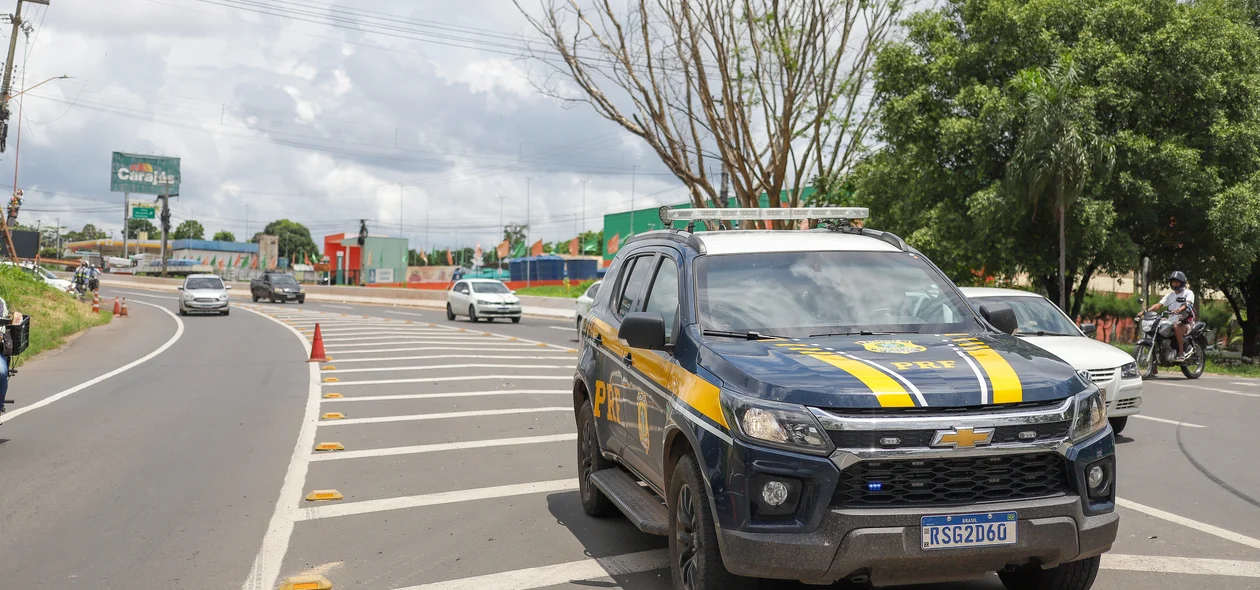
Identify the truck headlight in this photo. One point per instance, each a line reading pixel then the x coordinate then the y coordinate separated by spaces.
pixel 1091 414
pixel 774 424
pixel 1129 371
pixel 188 296
pixel 223 297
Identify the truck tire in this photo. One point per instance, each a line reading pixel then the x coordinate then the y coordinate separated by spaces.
pixel 254 296
pixel 590 460
pixel 1074 575
pixel 695 562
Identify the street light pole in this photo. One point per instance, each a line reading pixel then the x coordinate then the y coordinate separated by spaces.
pixel 528 191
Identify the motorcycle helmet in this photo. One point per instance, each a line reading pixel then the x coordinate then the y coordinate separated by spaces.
pixel 1177 277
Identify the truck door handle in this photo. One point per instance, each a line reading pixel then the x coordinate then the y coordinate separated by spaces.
pixel 628 359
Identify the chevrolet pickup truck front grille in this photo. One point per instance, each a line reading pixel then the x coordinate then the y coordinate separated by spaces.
pixel 907 439
pixel 950 481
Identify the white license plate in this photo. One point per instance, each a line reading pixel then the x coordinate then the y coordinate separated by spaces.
pixel 955 531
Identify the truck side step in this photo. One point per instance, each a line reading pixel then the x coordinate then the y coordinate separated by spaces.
pixel 641 507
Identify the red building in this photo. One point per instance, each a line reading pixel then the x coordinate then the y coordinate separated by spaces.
pixel 343 259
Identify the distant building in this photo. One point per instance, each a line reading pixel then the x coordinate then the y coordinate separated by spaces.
pixel 379 261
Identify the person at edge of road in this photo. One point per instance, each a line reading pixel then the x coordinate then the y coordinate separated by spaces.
pixel 94 278
pixel 81 276
pixel 4 347
pixel 1184 309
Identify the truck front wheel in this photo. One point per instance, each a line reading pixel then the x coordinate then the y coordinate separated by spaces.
pixel 695 561
pixel 1074 575
pixel 590 460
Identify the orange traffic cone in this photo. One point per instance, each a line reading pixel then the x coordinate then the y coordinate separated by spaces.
pixel 96 302
pixel 117 308
pixel 317 348
pixel 124 307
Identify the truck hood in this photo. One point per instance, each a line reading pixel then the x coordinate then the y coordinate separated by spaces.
pixel 892 371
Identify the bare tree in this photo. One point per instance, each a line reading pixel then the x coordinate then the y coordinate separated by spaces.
pixel 772 90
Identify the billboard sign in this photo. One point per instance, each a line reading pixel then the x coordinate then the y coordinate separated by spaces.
pixel 150 175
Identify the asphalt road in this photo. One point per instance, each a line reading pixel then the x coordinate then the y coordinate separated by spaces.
pixel 458 463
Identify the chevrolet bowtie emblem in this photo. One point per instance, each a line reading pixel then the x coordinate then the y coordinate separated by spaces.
pixel 963 438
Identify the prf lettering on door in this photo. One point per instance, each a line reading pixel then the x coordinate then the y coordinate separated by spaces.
pixel 609 397
pixel 925 365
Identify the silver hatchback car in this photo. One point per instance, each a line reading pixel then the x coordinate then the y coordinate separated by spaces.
pixel 203 294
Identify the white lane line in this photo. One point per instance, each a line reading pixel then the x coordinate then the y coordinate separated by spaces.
pixel 368 506
pixel 516 348
pixel 555 575
pixel 425 341
pixel 368 340
pixel 458 356
pixel 266 568
pixel 179 331
pixel 1194 524
pixel 1167 421
pixel 1251 384
pixel 1213 389
pixel 439 379
pixel 418 315
pixel 440 416
pixel 565 328
pixel 446 367
pixel 1181 565
pixel 410 396
pixel 335 306
pixel 455 446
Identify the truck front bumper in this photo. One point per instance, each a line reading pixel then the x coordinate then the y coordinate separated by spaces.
pixel 884 544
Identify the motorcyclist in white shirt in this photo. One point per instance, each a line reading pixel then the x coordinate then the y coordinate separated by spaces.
pixel 1181 303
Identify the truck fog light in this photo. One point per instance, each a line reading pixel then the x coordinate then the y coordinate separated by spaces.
pixel 1097 476
pixel 775 493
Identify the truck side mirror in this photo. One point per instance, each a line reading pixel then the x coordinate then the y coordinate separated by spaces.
pixel 1001 316
pixel 643 330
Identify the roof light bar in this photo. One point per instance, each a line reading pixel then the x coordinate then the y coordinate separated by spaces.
pixel 671 215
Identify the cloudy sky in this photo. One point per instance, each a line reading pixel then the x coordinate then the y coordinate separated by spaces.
pixel 315 115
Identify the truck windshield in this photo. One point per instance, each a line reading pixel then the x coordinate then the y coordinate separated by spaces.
pixel 803 294
pixel 203 283
pixel 1036 316
pixel 489 288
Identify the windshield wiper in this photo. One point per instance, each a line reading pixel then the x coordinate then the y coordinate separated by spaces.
pixel 749 335
pixel 862 333
pixel 1045 333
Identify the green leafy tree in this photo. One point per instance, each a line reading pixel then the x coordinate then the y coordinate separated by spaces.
pixel 224 236
pixel 190 229
pixel 134 226
pixel 514 233
pixel 1059 149
pixel 294 240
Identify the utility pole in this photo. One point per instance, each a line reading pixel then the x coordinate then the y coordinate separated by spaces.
pixel 502 227
pixel 126 214
pixel 529 254
pixel 166 223
pixel 6 88
pixel 400 200
pixel 583 228
pixel 58 220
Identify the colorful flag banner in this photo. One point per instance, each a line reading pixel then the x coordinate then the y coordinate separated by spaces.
pixel 503 248
pixel 536 249
pixel 573 247
pixel 614 244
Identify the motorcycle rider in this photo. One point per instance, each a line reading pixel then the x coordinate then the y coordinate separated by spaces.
pixel 81 277
pixel 1183 310
pixel 4 358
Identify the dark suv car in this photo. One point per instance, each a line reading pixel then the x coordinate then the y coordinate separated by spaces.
pixel 824 405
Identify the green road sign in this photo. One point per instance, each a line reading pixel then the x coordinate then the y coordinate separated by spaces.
pixel 143 213
pixel 150 175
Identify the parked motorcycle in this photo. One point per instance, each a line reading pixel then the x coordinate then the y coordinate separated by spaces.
pixel 1157 346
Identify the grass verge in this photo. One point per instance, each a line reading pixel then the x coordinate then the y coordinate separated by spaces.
pixel 574 291
pixel 54 315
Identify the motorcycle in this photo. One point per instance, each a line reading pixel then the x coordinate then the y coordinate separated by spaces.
pixel 1157 346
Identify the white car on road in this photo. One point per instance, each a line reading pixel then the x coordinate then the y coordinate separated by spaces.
pixel 1042 324
pixel 203 294
pixel 482 298
pixel 585 301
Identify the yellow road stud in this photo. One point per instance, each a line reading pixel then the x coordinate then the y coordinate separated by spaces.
pixel 329 446
pixel 432 325
pixel 571 350
pixel 512 339
pixel 331 380
pixel 333 416
pixel 410 322
pixel 307 582
pixel 332 396
pixel 542 345
pixel 329 368
pixel 322 495
pixel 462 330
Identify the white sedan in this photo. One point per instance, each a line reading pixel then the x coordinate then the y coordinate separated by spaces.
pixel 1042 324
pixel 482 298
pixel 49 278
pixel 585 301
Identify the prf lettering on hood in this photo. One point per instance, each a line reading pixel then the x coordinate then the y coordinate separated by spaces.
pixel 925 365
